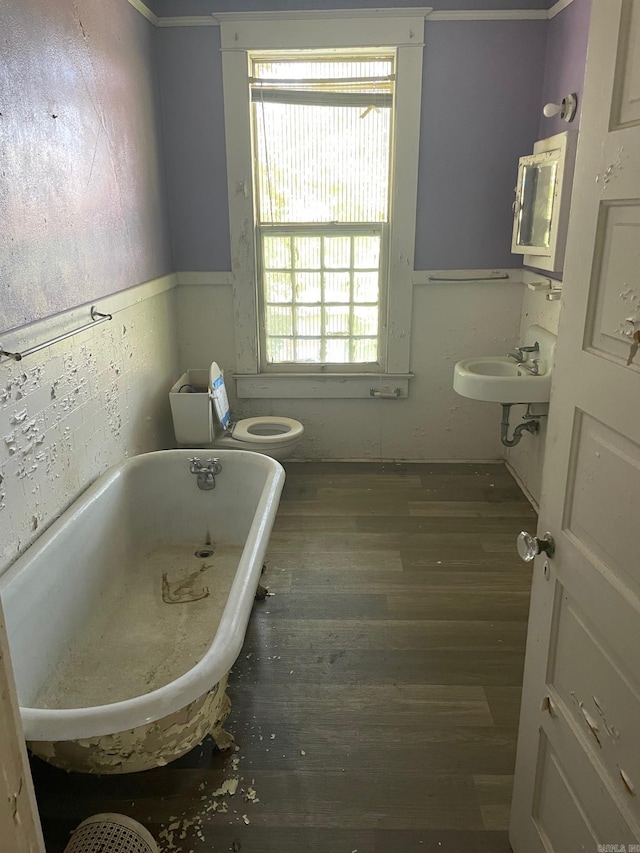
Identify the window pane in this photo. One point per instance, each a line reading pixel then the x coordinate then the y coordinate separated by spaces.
pixel 365 287
pixel 337 287
pixel 279 320
pixel 365 350
pixel 322 163
pixel 365 321
pixel 306 253
pixel 366 252
pixel 336 321
pixel 277 287
pixel 308 350
pixel 338 350
pixel 308 321
pixel 279 350
pixel 337 252
pixel 308 287
pixel 276 253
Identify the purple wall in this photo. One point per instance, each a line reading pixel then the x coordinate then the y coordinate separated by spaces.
pixel 193 110
pixel 480 102
pixel 168 8
pixel 82 196
pixel 565 62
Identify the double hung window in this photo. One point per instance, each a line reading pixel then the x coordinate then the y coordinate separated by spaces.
pixel 322 139
pixel 322 124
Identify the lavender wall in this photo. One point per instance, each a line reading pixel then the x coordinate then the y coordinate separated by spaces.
pixel 565 62
pixel 480 102
pixel 167 8
pixel 82 196
pixel 191 81
pixel 481 97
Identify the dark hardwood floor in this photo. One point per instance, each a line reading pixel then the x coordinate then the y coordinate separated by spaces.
pixel 375 702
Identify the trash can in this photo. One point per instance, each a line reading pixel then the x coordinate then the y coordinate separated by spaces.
pixel 111 833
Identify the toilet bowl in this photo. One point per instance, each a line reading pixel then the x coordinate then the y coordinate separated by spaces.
pixel 201 418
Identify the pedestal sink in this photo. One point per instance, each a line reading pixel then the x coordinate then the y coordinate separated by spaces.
pixel 499 379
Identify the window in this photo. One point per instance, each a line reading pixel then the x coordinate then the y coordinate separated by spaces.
pixel 322 125
pixel 322 142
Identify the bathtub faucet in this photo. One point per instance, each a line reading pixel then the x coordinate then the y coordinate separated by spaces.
pixel 205 472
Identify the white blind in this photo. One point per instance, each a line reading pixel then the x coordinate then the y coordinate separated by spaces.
pixel 322 139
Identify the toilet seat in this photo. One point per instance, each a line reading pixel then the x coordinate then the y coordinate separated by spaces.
pixel 267 430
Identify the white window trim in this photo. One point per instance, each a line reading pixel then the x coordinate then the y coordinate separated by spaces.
pixel 402 29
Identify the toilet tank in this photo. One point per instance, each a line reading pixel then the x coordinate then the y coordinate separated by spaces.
pixel 191 410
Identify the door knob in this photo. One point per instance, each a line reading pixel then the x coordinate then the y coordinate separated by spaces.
pixel 530 546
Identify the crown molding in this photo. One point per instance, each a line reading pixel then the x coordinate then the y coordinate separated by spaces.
pixel 189 21
pixel 491 15
pixel 558 7
pixel 217 18
pixel 319 14
pixel 139 6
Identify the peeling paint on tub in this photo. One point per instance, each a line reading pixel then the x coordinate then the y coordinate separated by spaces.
pixel 151 745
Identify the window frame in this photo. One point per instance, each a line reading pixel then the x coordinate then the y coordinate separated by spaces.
pixel 363 29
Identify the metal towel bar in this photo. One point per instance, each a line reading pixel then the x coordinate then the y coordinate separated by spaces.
pixel 96 318
pixel 500 277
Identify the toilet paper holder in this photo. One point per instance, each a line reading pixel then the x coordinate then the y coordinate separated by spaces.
pixel 385 393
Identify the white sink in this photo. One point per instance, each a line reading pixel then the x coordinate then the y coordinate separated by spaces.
pixel 499 379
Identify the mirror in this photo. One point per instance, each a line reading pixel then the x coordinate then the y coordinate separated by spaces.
pixel 536 208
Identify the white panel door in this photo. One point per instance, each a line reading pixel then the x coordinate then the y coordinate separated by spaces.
pixel 577 782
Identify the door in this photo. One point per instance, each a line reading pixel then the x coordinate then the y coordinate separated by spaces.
pixel 577 781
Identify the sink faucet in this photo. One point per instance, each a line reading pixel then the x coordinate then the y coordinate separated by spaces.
pixel 532 367
pixel 205 473
pixel 519 352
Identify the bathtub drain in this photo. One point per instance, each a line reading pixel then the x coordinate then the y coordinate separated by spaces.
pixel 204 552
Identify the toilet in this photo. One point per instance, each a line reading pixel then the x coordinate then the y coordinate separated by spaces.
pixel 201 418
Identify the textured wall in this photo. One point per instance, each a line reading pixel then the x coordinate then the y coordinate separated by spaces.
pixel 82 197
pixel 74 409
pixel 83 212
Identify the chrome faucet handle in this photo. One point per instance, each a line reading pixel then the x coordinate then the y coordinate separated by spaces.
pixel 516 355
pixel 214 465
pixel 195 459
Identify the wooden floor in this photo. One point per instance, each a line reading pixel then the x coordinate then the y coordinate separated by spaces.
pixel 375 702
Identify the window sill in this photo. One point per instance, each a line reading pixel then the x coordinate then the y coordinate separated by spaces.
pixel 323 385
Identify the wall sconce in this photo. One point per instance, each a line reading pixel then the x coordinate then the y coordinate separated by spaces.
pixel 566 109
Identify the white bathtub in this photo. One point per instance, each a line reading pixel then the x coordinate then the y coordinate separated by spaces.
pixel 121 637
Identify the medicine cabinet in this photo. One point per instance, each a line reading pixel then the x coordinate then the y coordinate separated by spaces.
pixel 541 206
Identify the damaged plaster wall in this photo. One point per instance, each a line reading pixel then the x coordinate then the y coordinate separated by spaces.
pixel 564 73
pixel 84 213
pixel 74 409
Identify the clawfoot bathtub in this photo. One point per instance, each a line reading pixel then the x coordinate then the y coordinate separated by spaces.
pixel 126 615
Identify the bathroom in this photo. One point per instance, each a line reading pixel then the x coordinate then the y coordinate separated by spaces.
pixel 116 196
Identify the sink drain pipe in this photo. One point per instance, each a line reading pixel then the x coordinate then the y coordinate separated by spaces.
pixel 531 423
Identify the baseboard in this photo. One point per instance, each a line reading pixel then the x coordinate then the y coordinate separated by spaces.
pixel 525 491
